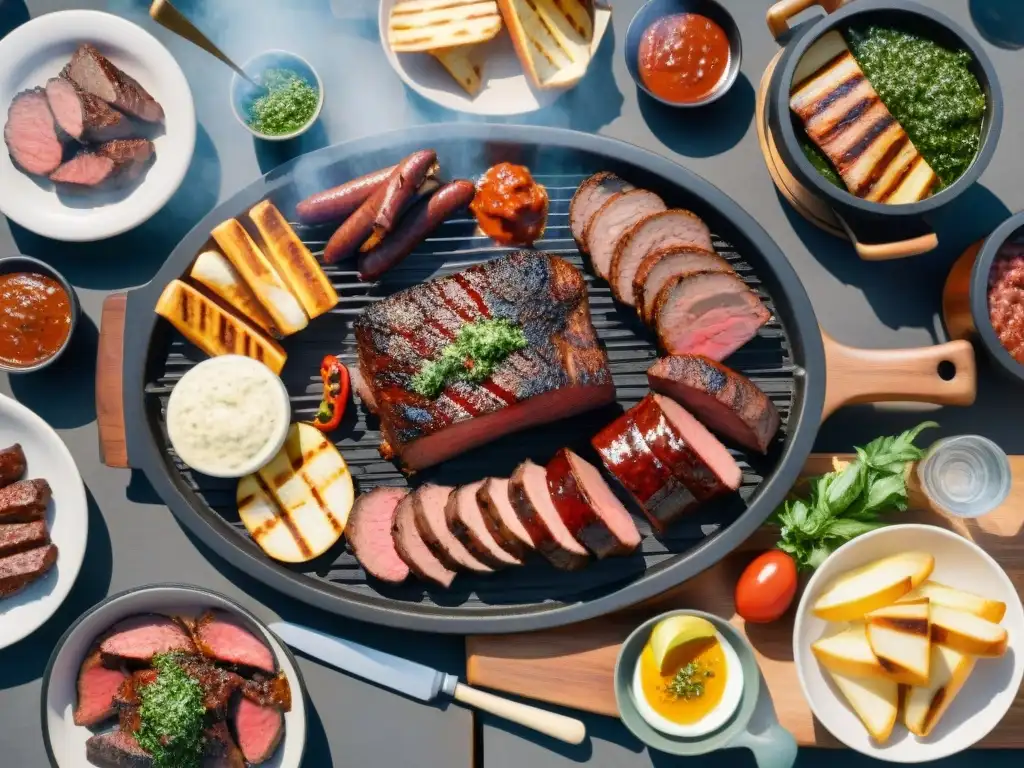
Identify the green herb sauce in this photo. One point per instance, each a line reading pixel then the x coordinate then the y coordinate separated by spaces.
pixel 290 103
pixel 172 715
pixel 472 357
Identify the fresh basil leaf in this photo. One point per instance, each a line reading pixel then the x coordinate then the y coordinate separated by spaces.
pixel 845 488
pixel 799 512
pixel 851 529
pixel 818 555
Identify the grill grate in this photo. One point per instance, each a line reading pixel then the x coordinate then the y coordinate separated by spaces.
pixel 630 346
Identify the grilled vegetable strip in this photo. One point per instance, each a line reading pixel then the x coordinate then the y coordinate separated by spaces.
pixel 336 388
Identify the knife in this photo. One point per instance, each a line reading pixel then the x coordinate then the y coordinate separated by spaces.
pixel 420 681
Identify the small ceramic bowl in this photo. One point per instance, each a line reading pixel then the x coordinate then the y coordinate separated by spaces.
pixel 657 9
pixel 65 741
pixel 242 92
pixel 28 264
pixel 753 725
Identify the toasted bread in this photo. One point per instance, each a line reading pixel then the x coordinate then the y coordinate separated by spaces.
pixel 215 273
pixel 875 701
pixel 213 329
pixel 465 65
pixel 293 261
pixel 900 637
pixel 257 271
pixel 924 706
pixel 422 26
pixel 552 38
pixel 940 594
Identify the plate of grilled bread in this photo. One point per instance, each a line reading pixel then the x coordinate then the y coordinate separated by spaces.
pixel 492 57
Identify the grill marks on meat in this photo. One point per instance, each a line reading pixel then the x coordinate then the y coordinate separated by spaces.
pixel 531 499
pixel 138 639
pixel 98 686
pixel 83 116
pixel 12 464
pixel 31 133
pixel 220 637
pixel 18 537
pixel 413 549
pixel 430 503
pixel 591 195
pixel 114 162
pixel 475 530
pixel 369 534
pixel 94 73
pixel 24 501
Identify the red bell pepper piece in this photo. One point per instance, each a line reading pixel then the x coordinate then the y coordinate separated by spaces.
pixel 335 398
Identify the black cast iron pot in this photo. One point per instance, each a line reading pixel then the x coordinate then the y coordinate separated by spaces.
pixel 879 231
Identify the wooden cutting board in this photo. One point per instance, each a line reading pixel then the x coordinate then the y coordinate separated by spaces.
pixel 573 665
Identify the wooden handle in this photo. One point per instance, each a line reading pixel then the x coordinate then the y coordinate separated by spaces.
pixel 779 14
pixel 873 375
pixel 109 373
pixel 169 17
pixel 901 249
pixel 560 727
pixel 956 295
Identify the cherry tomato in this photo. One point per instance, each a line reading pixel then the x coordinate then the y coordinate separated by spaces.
pixel 766 587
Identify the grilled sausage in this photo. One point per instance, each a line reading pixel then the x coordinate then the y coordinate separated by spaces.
pixel 424 220
pixel 401 187
pixel 423 193
pixel 12 464
pixel 338 202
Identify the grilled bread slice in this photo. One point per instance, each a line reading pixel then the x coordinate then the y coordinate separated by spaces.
pixel 465 64
pixel 422 26
pixel 262 278
pixel 215 273
pixel 849 653
pixel 213 329
pixel 967 633
pixel 940 594
pixel 923 706
pixel 293 261
pixel 900 637
pixel 552 38
pixel 873 586
pixel 297 506
pixel 875 701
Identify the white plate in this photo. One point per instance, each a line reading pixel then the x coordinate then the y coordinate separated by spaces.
pixel 37 51
pixel 507 89
pixel 65 741
pixel 989 691
pixel 67 517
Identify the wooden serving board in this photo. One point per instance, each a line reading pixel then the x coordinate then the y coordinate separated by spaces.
pixel 573 666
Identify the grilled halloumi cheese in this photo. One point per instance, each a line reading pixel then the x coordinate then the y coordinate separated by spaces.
pixel 844 116
pixel 293 261
pixel 297 506
pixel 552 38
pixel 215 273
pixel 465 65
pixel 420 26
pixel 257 271
pixel 215 330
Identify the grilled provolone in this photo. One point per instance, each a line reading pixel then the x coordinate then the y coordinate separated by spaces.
pixel 551 37
pixel 419 26
pixel 465 64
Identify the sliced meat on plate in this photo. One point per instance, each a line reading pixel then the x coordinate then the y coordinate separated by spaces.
pixel 91 71
pixel 413 550
pixel 474 531
pixel 661 265
pixel 528 491
pixel 140 638
pixel 31 134
pixel 116 749
pixel 222 638
pixel 707 313
pixel 726 401
pixel 609 224
pixel 82 116
pixel 588 507
pixel 659 230
pixel 12 465
pixel 20 570
pixel 259 730
pixel 431 502
pixel 97 687
pixel 24 501
pixel 369 533
pixel 220 750
pixel 17 537
pixel 501 518
pixel 121 161
pixel 591 195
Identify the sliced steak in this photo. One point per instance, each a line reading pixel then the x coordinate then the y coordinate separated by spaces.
pixel 528 492
pixel 131 156
pixel 31 134
pixel 24 501
pixel 651 233
pixel 17 537
pixel 413 550
pixel 217 683
pixel 707 313
pixel 501 518
pixel 259 730
pixel 430 502
pixel 612 221
pixel 20 570
pixel 220 750
pixel 138 639
pixel 221 637
pixel 275 692
pixel 121 162
pixel 369 533
pixel 94 73
pixel 588 507
pixel 116 749
pixel 467 523
pixel 82 116
pixel 128 701
pixel 86 170
pixel 726 401
pixel 97 687
pixel 591 195
pixel 12 464
pixel 661 265
pixel 362 389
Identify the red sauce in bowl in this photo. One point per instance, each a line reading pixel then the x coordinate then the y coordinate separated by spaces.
pixel 1006 299
pixel 683 57
pixel 35 318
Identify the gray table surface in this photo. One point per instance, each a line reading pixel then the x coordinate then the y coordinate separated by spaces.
pixel 134 540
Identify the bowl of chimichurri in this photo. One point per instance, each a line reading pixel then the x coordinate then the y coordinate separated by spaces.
pixel 288 100
pixel 894 113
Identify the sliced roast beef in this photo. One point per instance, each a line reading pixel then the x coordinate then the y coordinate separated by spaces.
pixel 726 401
pixel 659 230
pixel 217 684
pixel 467 523
pixel 362 389
pixel 413 550
pixel 369 533
pixel 17 537
pixel 220 750
pixel 20 570
pixel 131 156
pixel 591 195
pixel 707 313
pixel 82 116
pixel 138 639
pixel 528 492
pixel 121 161
pixel 116 749
pixel 97 687
pixel 612 221
pixel 430 502
pixel 94 73
pixel 12 464
pixel 588 507
pixel 501 518
pixel 221 637
pixel 24 501
pixel 661 265
pixel 259 730
pixel 31 134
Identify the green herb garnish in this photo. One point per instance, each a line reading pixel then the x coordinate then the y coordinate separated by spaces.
pixel 472 357
pixel 290 103
pixel 688 682
pixel 849 501
pixel 172 715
